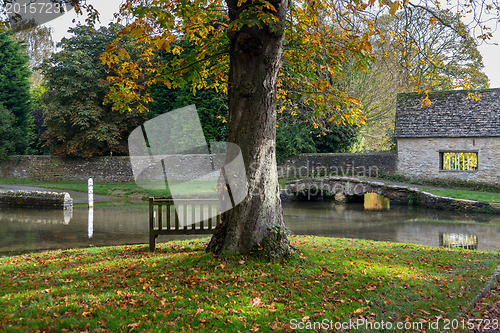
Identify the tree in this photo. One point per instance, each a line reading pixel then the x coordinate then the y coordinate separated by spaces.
pixel 246 38
pixel 37 119
pixel 250 39
pixel 451 59
pixel 78 122
pixel 297 133
pixel 7 133
pixel 211 107
pixel 39 46
pixel 15 88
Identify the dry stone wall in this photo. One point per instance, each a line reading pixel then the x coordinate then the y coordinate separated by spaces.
pixel 53 168
pixel 118 168
pixel 360 165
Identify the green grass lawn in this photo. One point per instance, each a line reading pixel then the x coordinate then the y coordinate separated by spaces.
pixel 181 288
pixel 465 194
pixel 121 189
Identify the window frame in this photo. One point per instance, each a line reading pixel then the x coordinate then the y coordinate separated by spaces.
pixel 441 159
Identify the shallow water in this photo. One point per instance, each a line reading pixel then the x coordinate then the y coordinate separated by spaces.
pixel 23 230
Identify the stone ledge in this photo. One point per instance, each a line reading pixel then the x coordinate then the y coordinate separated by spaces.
pixel 36 199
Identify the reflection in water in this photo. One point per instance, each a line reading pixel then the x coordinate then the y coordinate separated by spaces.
pixel 400 224
pixel 459 240
pixel 41 216
pixel 32 230
pixel 91 222
pixel 375 201
pixel 68 214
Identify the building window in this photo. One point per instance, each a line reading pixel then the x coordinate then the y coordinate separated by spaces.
pixel 458 161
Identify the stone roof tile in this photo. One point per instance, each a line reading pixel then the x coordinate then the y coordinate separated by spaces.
pixel 451 114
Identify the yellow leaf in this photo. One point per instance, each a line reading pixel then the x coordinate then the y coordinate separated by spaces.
pixel 123 54
pixel 177 50
pixel 394 7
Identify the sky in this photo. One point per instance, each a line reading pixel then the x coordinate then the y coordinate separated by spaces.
pixel 106 9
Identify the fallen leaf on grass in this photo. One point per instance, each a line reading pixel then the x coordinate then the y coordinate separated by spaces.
pixel 424 312
pixel 133 325
pixel 256 302
pixel 436 309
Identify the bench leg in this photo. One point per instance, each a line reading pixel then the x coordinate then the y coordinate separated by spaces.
pixel 152 242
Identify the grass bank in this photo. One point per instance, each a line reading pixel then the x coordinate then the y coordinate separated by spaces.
pixel 181 288
pixel 465 194
pixel 120 189
pixel 104 188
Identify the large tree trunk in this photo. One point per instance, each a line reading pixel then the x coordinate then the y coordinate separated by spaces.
pixel 256 224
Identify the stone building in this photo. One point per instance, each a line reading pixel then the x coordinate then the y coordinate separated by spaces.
pixel 457 137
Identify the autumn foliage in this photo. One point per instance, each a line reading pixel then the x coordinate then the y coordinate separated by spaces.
pixel 321 37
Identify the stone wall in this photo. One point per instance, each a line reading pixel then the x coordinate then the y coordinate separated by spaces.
pixel 52 168
pixel 418 158
pixel 360 165
pixel 118 169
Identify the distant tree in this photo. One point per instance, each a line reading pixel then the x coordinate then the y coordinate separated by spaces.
pixel 39 46
pixel 36 124
pixel 293 138
pixel 8 133
pixel 211 107
pixel 296 134
pixel 15 89
pixel 77 120
pixel 413 52
pixel 431 54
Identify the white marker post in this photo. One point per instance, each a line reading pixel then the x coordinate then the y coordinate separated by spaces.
pixel 91 209
pixel 91 222
pixel 91 193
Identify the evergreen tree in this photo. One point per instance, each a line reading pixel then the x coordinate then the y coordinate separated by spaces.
pixel 14 92
pixel 7 133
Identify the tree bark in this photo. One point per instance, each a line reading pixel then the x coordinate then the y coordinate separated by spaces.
pixel 255 226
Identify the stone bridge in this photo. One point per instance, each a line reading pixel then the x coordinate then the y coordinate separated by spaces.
pixel 350 186
pixel 399 194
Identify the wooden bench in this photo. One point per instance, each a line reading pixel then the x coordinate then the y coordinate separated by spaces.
pixel 164 217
